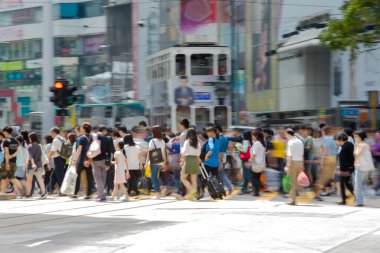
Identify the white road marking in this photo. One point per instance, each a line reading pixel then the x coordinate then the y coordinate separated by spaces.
pixel 376 233
pixel 37 243
pixel 142 222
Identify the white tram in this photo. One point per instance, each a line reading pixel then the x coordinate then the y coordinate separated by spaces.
pixel 189 81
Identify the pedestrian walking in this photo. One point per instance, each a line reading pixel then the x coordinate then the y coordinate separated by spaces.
pixel 9 165
pixel 190 160
pixel 59 171
pixel 346 165
pixel 363 165
pixel 36 169
pixel 294 164
pixel 121 172
pixel 133 154
pixel 157 158
pixel 245 156
pixel 223 159
pixel 80 161
pixel 258 154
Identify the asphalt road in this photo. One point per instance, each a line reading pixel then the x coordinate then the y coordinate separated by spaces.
pixel 238 224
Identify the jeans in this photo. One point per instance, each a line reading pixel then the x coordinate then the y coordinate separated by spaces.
pixel 59 165
pixel 52 181
pixel 100 174
pixel 155 170
pixel 359 186
pixel 223 176
pixel 247 176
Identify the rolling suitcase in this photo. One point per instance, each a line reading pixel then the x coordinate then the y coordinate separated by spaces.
pixel 214 186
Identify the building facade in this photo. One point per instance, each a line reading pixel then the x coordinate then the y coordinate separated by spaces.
pixel 79 32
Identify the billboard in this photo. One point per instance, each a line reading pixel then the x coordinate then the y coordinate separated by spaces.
pixel 199 20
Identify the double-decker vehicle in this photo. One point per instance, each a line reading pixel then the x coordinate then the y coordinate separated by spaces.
pixel 189 81
pixel 112 114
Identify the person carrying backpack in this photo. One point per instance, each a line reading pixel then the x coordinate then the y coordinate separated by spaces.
pixel 80 160
pixel 59 171
pixel 100 151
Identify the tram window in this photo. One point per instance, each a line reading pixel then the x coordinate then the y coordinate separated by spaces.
pixel 108 112
pixel 222 64
pixel 86 112
pixel 180 64
pixel 202 64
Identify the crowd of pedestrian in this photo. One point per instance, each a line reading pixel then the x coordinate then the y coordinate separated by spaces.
pixel 322 159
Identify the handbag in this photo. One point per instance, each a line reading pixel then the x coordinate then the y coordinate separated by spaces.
pixel 245 156
pixel 155 155
pixel 302 179
pixel 257 168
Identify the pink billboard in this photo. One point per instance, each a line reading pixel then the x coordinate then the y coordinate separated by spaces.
pixel 196 14
pixel 92 44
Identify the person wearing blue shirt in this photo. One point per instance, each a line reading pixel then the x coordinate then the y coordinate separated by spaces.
pixel 213 147
pixel 223 159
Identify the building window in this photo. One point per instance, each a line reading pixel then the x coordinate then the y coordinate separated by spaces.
pixel 202 64
pixel 68 46
pixel 180 64
pixel 222 64
pixel 20 17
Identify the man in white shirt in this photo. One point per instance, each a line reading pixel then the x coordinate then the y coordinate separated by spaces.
pixel 295 161
pixel 58 173
pixel 138 138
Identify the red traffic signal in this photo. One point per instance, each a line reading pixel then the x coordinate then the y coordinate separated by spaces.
pixel 58 85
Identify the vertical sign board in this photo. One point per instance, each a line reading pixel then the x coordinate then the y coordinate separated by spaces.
pixel 373 97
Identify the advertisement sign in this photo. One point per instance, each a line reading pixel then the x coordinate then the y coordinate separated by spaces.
pixel 350 112
pixel 11 66
pixel 189 92
pixel 92 44
pixel 199 20
pixel 11 33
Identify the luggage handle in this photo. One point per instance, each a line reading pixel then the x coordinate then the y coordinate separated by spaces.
pixel 204 171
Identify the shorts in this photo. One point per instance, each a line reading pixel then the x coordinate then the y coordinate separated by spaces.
pixel 4 174
pixel 31 171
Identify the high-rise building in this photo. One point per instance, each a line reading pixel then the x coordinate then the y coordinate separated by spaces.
pixel 79 36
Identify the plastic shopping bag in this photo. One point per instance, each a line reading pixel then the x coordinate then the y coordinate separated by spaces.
pixel 286 184
pixel 69 182
pixel 147 171
pixel 303 180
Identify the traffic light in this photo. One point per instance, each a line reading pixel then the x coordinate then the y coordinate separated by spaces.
pixel 58 91
pixel 63 95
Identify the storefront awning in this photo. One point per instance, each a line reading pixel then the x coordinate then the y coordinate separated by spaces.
pixel 307 38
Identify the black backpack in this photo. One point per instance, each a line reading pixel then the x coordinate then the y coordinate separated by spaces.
pixel 204 151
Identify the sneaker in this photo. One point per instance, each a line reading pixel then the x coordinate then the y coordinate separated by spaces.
pixel 126 199
pixel 87 197
pixel 43 196
pixel 292 203
pixel 102 199
pixel 318 198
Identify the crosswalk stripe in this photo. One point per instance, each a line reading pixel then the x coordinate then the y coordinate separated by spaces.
pixel 268 196
pixel 306 197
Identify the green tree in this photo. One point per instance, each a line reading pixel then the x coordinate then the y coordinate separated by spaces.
pixel 360 25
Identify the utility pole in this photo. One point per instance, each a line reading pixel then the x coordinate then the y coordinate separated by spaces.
pixel 48 115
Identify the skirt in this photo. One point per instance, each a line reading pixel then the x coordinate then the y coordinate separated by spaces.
pixel 191 166
pixel 120 177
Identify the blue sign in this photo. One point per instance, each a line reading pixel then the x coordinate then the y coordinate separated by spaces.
pixel 202 96
pixel 349 112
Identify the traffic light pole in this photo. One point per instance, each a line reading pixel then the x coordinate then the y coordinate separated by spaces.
pixel 48 117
